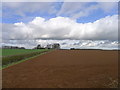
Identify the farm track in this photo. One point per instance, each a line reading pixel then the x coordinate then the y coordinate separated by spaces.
pixel 64 69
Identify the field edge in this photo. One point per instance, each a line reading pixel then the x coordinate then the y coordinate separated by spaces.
pixel 23 60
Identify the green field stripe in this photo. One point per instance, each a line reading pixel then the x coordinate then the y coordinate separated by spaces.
pixel 9 52
pixel 25 53
pixel 14 63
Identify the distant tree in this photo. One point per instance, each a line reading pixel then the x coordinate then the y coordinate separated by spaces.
pixel 72 48
pixel 56 46
pixel 38 46
pixel 49 46
pixel 22 47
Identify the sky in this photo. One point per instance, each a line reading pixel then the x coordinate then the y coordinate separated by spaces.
pixel 72 24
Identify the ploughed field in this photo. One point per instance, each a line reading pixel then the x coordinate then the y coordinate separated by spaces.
pixel 65 69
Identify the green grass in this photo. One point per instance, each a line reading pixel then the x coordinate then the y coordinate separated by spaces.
pixel 9 52
pixel 0 52
pixel 13 56
pixel 14 63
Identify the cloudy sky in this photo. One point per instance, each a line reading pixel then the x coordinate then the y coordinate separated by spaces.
pixel 72 24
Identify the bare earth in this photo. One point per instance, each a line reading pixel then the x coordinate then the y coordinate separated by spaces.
pixel 64 69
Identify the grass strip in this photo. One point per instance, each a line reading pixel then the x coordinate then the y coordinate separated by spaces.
pixel 11 52
pixel 14 63
pixel 11 60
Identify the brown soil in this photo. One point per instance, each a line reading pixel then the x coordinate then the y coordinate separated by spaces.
pixel 64 69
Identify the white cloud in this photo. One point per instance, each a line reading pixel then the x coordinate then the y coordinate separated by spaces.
pixel 108 6
pixel 72 9
pixel 85 12
pixel 81 9
pixel 60 0
pixel 63 28
pixel 65 44
pixel 69 8
pixel 22 8
pixel 90 0
pixel 29 0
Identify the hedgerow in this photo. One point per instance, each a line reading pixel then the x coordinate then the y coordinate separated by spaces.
pixel 14 58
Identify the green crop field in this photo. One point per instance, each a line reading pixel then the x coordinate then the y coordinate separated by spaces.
pixel 12 56
pixel 0 52
pixel 9 52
